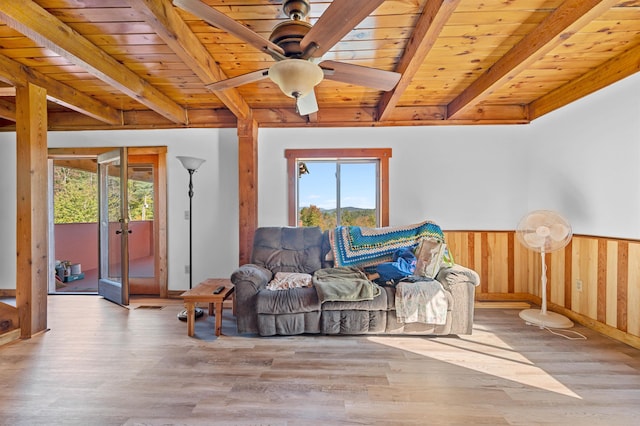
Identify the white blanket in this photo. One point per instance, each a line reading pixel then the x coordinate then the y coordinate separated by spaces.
pixel 421 301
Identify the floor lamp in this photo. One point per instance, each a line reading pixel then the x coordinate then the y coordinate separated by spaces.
pixel 191 164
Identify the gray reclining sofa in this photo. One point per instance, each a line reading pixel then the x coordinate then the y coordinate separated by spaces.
pixel 300 310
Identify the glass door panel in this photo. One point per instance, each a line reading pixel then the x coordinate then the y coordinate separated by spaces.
pixel 142 209
pixel 317 197
pixel 358 189
pixel 113 282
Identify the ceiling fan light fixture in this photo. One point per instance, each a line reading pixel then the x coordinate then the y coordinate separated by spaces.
pixel 296 77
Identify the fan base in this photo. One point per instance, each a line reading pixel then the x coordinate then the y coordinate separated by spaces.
pixel 548 319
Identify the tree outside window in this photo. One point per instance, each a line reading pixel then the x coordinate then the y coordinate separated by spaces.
pixel 76 196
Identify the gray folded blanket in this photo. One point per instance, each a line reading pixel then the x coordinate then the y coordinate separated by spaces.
pixel 459 274
pixel 343 284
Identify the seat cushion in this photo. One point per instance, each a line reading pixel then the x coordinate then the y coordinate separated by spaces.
pixel 291 301
pixel 289 324
pixel 353 322
pixel 379 303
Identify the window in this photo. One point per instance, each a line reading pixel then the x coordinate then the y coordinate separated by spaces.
pixel 338 186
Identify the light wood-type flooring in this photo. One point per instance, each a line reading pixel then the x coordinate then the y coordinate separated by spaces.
pixel 101 364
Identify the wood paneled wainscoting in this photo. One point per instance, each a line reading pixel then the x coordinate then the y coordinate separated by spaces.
pixel 608 269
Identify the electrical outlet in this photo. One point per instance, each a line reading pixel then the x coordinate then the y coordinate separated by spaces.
pixel 186 215
pixel 187 269
pixel 578 285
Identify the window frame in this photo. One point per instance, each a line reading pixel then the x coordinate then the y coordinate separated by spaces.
pixel 382 155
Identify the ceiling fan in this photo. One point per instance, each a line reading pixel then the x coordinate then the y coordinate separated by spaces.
pixel 298 47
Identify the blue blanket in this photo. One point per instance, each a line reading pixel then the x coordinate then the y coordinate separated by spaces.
pixel 364 247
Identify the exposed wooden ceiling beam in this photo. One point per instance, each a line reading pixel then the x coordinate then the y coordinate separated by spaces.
pixel 434 15
pixel 611 71
pixel 561 24
pixel 168 24
pixel 402 116
pixel 7 110
pixel 13 73
pixel 8 90
pixel 198 118
pixel 287 117
pixel 45 29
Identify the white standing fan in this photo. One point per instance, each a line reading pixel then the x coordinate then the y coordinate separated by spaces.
pixel 544 231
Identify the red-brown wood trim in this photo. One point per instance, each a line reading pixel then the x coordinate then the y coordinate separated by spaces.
pixel 623 283
pixel 568 266
pixel 601 308
pixel 549 261
pixel 511 281
pixel 247 187
pixel 384 187
pixel 291 189
pixel 32 242
pixel 484 267
pixel 380 154
pixel 471 250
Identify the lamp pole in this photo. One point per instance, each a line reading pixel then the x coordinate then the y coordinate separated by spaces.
pixel 191 164
pixel 191 171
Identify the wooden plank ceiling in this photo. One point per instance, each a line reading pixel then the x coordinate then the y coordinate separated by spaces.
pixel 110 64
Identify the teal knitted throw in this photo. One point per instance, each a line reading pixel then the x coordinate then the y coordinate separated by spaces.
pixel 362 247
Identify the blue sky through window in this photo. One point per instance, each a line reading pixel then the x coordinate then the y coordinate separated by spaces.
pixel 358 185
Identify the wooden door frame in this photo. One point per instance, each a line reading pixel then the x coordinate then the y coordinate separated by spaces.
pixel 160 198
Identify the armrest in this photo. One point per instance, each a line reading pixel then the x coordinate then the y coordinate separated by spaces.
pixel 458 274
pixel 248 281
pixel 251 275
pixel 461 282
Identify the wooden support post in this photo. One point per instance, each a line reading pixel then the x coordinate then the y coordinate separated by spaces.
pixel 32 237
pixel 248 186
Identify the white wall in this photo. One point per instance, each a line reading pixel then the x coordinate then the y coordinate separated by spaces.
pixel 8 210
pixel 459 177
pixel 582 160
pixel 585 161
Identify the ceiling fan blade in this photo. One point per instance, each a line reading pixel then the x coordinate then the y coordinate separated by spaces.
pixel 308 104
pixel 238 80
pixel 359 75
pixel 220 20
pixel 340 17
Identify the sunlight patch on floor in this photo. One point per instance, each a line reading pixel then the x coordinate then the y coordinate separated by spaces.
pixel 485 354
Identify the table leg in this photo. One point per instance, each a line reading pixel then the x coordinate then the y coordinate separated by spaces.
pixel 219 307
pixel 191 318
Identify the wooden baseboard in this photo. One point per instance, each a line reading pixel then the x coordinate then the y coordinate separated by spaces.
pixel 9 336
pixel 174 294
pixel 5 292
pixel 483 300
pixel 502 305
pixel 502 297
pixel 607 330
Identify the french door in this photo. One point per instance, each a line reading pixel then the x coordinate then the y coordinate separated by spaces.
pixel 75 237
pixel 113 281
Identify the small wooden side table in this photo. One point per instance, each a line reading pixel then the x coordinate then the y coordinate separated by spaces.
pixel 203 292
